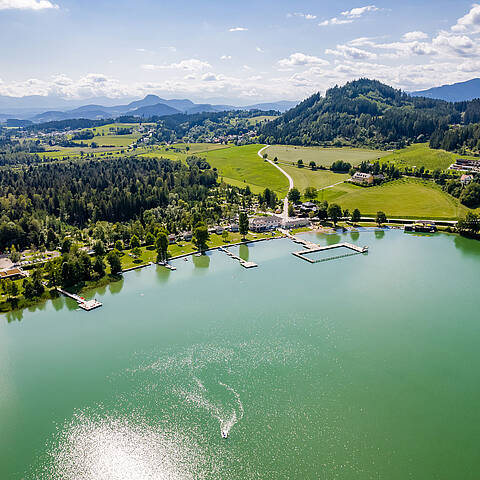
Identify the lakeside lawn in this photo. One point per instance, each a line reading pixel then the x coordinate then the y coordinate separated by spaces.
pixel 405 198
pixel 421 155
pixel 150 255
pixel 322 155
pixel 241 166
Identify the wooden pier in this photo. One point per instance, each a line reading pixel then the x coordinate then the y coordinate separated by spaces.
pixel 242 262
pixel 86 305
pixel 314 248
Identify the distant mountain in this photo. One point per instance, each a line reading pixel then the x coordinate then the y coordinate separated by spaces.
pixel 456 92
pixel 157 110
pixel 28 108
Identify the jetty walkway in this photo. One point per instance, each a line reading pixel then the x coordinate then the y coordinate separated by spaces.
pixel 242 262
pixel 82 303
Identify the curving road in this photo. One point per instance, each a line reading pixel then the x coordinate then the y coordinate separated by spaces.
pixel 290 180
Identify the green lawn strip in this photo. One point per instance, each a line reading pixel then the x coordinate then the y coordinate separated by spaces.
pixel 420 154
pixel 323 156
pixel 243 165
pixel 405 198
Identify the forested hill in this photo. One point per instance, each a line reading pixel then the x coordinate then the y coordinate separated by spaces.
pixel 363 113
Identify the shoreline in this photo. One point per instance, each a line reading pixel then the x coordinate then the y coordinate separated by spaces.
pixel 51 293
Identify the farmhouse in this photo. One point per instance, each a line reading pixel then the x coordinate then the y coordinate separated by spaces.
pixel 466 179
pixel 361 177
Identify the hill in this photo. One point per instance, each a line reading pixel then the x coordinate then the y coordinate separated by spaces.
pixel 456 92
pixel 361 113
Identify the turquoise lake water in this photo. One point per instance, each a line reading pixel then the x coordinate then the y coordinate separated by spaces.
pixel 365 367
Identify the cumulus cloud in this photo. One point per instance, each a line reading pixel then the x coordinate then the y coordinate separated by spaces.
pixel 359 11
pixel 237 29
pixel 470 21
pixel 226 57
pixel 260 50
pixel 349 52
pixel 335 21
pixel 412 36
pixel 27 5
pixel 300 59
pixel 192 64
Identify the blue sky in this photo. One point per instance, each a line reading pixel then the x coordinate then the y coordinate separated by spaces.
pixel 233 51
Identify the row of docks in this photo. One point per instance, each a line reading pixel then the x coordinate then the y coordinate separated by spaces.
pixel 314 248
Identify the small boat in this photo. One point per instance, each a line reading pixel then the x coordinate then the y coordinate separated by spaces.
pixel 185 259
pixel 224 434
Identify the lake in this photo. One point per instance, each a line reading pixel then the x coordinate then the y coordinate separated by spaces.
pixel 365 367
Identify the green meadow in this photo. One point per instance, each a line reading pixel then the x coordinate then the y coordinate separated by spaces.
pixel 322 156
pixel 242 166
pixel 421 155
pixel 405 198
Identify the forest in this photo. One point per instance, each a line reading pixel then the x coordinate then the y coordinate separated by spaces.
pixel 365 113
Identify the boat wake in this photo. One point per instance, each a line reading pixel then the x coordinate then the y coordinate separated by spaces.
pixel 227 416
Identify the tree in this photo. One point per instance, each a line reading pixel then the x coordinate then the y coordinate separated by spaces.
pixel 99 266
pixel 300 163
pixel 294 195
pixel 14 255
pixel 381 218
pixel 119 245
pixel 67 245
pixel 149 239
pixel 243 224
pixel 161 246
pixel 137 252
pixel 134 242
pixel 313 165
pixel 99 248
pixel 356 216
pixel 201 236
pixel 113 258
pixel 310 193
pixel 225 236
pixel 334 212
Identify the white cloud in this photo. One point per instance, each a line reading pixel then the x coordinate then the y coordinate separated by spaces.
pixel 451 44
pixel 349 16
pixel 300 59
pixel 349 52
pixel 412 36
pixel 335 21
pixel 470 21
pixel 191 64
pixel 260 50
pixel 359 11
pixel 226 57
pixel 306 16
pixel 27 5
pixel 237 29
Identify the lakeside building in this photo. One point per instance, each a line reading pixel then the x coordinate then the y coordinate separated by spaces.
pixel 272 222
pixel 360 177
pixel 424 226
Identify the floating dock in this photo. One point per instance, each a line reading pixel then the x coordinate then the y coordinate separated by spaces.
pixel 167 265
pixel 86 305
pixel 314 248
pixel 242 262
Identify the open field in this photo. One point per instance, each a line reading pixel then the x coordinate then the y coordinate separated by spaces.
pixel 322 156
pixel 261 118
pixel 242 166
pixel 305 177
pixel 401 198
pixel 420 154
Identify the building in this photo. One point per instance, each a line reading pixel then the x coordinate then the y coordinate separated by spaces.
pixel 466 179
pixel 187 236
pixel 12 273
pixel 265 224
pixel 234 227
pixel 361 177
pixel 290 223
pixel 171 238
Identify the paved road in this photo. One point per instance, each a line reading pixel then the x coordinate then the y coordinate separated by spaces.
pixel 290 180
